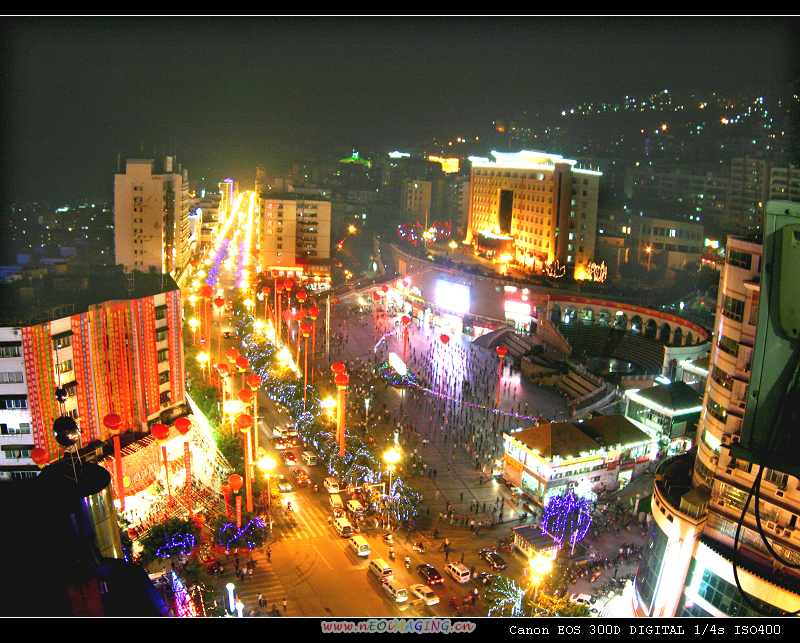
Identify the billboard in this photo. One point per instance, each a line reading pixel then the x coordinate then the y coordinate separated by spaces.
pixel 452 297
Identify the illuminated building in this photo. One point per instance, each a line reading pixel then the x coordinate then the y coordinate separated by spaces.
pixel 668 412
pixel 665 241
pixel 749 187
pixel 296 232
pixel 542 201
pixel 423 199
pixel 110 342
pixel 152 227
pixel 600 453
pixel 698 497
pixel 784 183
pixel 450 165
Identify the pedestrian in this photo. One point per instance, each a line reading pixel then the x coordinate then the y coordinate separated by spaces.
pixel 269 554
pixel 462 558
pixel 262 602
pixel 284 605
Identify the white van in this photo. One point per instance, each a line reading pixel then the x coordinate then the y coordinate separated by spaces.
pixel 380 569
pixel 336 501
pixel 459 573
pixel 360 546
pixel 345 529
pixel 309 458
pixel 331 485
pixel 396 592
pixel 355 507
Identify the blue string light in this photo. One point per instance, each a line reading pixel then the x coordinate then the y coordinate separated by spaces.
pixel 566 518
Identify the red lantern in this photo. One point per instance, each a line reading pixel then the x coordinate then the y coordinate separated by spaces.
pixel 235 481
pixel 288 285
pixel 160 432
pixel 223 369
pixel 501 351
pixel 313 313
pixel 206 291
pixel 306 329
pixel 112 422
pixel 342 379
pixel 385 288
pixel 232 354
pixel 219 302
pixel 302 295
pixel 194 263
pixel 244 421
pixel 376 297
pixel 444 339
pixel 279 286
pixel 183 424
pixel 253 380
pixel 245 396
pixel 40 456
pixel 338 367
pixel 406 320
pixel 265 290
pixel 242 362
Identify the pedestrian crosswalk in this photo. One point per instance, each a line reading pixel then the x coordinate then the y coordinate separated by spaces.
pixel 264 581
pixel 306 522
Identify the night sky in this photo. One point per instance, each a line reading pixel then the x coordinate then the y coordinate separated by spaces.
pixel 226 93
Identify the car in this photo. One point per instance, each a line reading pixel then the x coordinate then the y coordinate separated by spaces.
pixel 458 572
pixel 301 478
pixel 424 593
pixel 494 559
pixel 277 432
pixel 430 574
pixel 394 590
pixel 280 445
pixel 290 459
pixel 290 431
pixel 331 485
pixel 284 485
pixel 484 578
pixel 582 599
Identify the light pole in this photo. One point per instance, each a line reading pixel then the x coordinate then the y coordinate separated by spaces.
pixel 649 251
pixel 267 465
pixel 391 457
pixel 203 359
pixel 539 566
pixel 193 324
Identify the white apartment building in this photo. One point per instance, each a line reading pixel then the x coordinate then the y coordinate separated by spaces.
pixel 152 227
pixel 784 183
pixel 295 231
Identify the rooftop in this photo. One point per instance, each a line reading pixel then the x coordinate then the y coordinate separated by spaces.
pixel 34 300
pixel 527 160
pixel 570 439
pixel 676 398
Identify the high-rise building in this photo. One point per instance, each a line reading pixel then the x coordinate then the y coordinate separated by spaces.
pixel 458 204
pixel 296 232
pixel 417 199
pixel 698 497
pixel 747 196
pixel 85 345
pixel 784 183
pixel 152 230
pixel 542 202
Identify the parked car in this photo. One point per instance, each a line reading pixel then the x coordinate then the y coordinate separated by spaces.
pixel 284 486
pixel 301 478
pixel 494 559
pixel 290 459
pixel 280 445
pixel 331 485
pixel 430 574
pixel 424 593
pixel 458 572
pixel 484 578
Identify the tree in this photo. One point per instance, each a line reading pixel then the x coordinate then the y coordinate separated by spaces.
pixel 175 537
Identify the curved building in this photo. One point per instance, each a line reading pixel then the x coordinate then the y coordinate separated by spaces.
pixel 698 497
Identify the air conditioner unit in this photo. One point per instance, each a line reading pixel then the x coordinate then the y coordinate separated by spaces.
pixel 771 525
pixel 729 471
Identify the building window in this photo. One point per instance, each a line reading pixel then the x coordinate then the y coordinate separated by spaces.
pixel 163 355
pixel 161 312
pixel 10 349
pixel 164 398
pixel 161 334
pixel 163 377
pixel 716 410
pixel 733 308
pixel 64 367
pixel 740 259
pixel 13 402
pixel 722 378
pixel 62 341
pixel 12 377
pixel 727 598
pixel 650 567
pixel 727 345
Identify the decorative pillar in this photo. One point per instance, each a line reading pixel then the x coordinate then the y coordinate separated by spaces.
pixel 235 482
pixel 313 314
pixel 113 422
pixel 183 424
pixel 245 423
pixel 226 493
pixel 342 380
pixel 501 351
pixel 305 328
pixel 254 382
pixel 406 322
pixel 161 433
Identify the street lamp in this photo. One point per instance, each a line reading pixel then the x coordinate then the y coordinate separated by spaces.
pixel 203 359
pixel 267 465
pixel 391 457
pixel 193 324
pixel 649 251
pixel 539 566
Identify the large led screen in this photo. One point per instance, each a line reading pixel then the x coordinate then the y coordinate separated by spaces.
pixel 452 297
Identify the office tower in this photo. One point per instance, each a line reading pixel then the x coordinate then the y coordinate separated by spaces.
pixel 534 208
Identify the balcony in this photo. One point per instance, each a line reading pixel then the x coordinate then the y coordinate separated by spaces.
pixel 674 492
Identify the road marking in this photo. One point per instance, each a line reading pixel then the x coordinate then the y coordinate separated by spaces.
pixel 324 560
